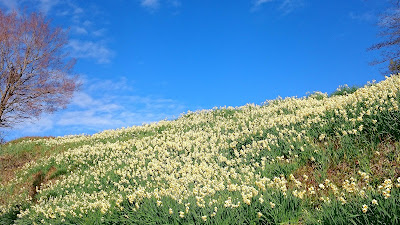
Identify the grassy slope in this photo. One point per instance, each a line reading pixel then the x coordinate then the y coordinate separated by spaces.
pixel 313 160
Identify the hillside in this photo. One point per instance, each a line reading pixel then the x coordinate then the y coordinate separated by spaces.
pixel 313 160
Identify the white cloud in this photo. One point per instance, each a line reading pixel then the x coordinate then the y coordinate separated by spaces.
pixel 95 109
pixel 46 5
pixel 90 119
pixel 289 6
pixel 44 123
pixel 83 100
pixel 258 3
pixel 285 6
pixel 123 84
pixel 90 49
pixel 363 17
pixel 90 112
pixel 151 4
pixel 98 110
pixel 99 32
pixel 154 5
pixel 175 3
pixel 87 23
pixel 80 30
pixel 10 4
pixel 78 10
pixel 94 47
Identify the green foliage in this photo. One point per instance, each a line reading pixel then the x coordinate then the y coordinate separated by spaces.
pixel 386 212
pixel 9 217
pixel 317 95
pixel 394 66
pixel 344 90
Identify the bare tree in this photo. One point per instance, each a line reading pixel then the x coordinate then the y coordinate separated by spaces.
pixel 389 24
pixel 34 69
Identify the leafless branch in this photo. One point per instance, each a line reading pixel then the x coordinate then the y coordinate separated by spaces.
pixel 34 70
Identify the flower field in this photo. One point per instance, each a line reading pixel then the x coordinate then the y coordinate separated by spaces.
pixel 318 159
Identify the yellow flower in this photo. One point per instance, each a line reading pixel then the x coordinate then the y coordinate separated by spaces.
pixel 204 218
pixel 259 214
pixel 374 202
pixel 364 208
pixel 343 200
pixel 272 204
pixel 170 211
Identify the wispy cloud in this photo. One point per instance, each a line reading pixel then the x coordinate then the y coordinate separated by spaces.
pixel 258 3
pixel 175 3
pixel 83 24
pixel 46 5
pixel 289 6
pixel 155 5
pixel 94 46
pixel 100 107
pixel 79 30
pixel 122 84
pixel 150 4
pixel 10 4
pixel 34 127
pixel 363 17
pixel 91 50
pixel 100 32
pixel 285 6
pixel 87 111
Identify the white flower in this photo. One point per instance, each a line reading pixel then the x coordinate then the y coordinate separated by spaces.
pixel 364 208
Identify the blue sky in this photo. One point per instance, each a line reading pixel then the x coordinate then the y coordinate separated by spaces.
pixel 146 60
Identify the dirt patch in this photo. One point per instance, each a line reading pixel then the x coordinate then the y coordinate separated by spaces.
pixel 386 160
pixel 40 179
pixel 310 171
pixel 9 164
pixel 383 162
pixel 340 172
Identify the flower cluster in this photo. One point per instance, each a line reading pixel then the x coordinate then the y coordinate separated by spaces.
pixel 212 156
